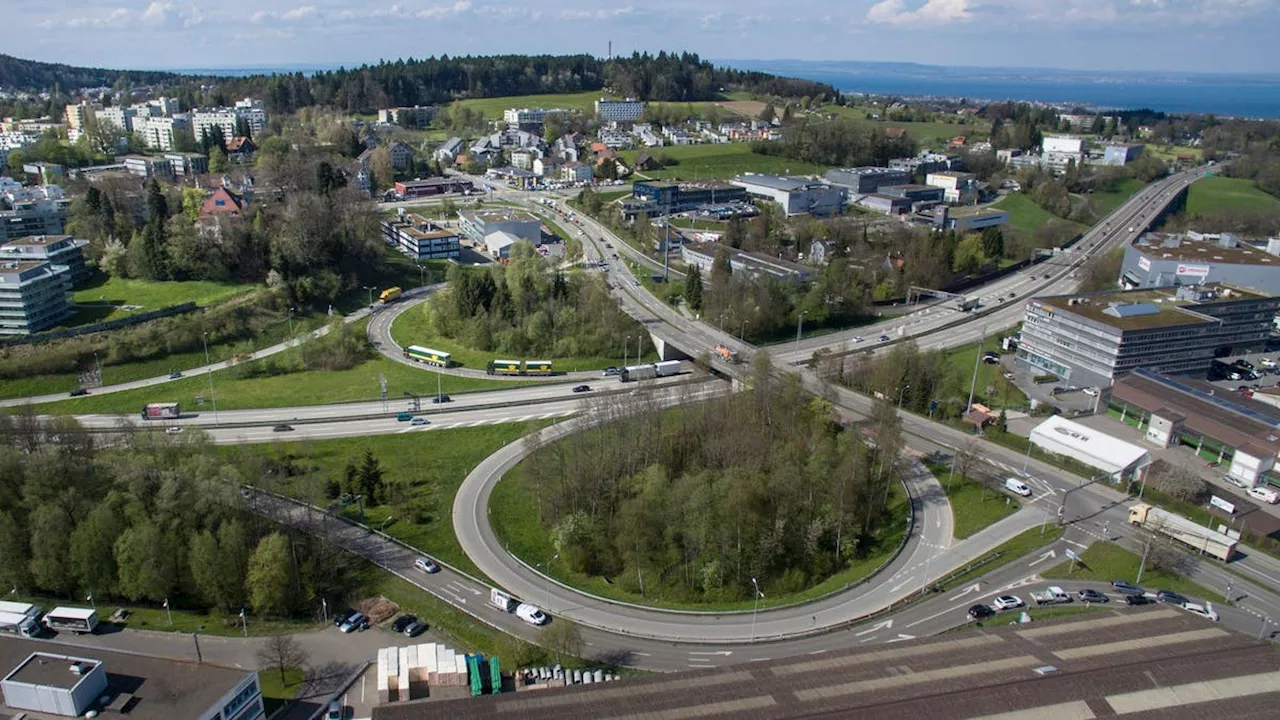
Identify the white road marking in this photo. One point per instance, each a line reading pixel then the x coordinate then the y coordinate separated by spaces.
pixel 900 638
pixel 883 625
pixel 1047 556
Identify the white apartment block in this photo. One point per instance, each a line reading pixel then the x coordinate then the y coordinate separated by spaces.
pixel 252 111
pixel 119 118
pixel 158 132
pixel 623 111
pixel 531 116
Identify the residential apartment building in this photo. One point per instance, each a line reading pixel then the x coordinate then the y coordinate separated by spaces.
pixel 704 254
pixel 479 224
pixel 77 119
pixel 252 112
pixel 145 166
pixel 32 211
pixel 865 180
pixel 63 251
pixel 1192 258
pixel 418 116
pixel 420 238
pixel 526 118
pixel 10 141
pixel 184 164
pixel 117 117
pixel 33 296
pixel 158 132
pixel 927 162
pixel 1091 339
pixel 1059 151
pixel 796 196
pixel 620 111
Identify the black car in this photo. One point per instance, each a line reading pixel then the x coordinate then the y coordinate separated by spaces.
pixel 1170 597
pixel 1137 600
pixel 78 392
pixel 403 622
pixel 978 612
pixel 414 629
pixel 1090 595
pixel 441 399
pixel 1244 364
pixel 582 389
pixel 342 617
pixel 282 428
pixel 884 338
pixel 1127 588
pixel 175 374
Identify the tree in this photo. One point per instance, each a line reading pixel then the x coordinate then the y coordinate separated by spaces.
pixel 92 549
pixel 281 652
pixel 206 571
pixel 693 288
pixel 384 174
pixel 562 638
pixel 370 478
pixel 969 257
pixel 218 162
pixel 141 556
pixel 233 561
pixel 768 114
pixel 51 529
pixel 269 578
pixel 15 553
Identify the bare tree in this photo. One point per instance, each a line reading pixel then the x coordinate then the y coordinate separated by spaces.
pixel 562 638
pixel 281 652
pixel 1176 481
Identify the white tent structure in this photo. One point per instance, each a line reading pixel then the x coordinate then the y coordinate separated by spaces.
pixel 1111 455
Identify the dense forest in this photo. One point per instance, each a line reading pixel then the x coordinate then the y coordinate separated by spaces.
pixel 692 503
pixel 668 77
pixel 525 309
pixel 151 518
pixel 840 143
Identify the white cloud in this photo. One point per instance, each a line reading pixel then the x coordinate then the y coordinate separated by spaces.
pixel 302 12
pixel 440 11
pixel 117 18
pixel 602 14
pixel 932 12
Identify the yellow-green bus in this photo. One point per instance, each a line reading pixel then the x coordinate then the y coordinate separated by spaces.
pixel 537 367
pixel 427 355
pixel 504 367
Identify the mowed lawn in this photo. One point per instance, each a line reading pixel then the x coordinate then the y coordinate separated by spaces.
pixel 1026 216
pixel 109 298
pixel 1105 561
pixel 413 327
pixel 973 505
pixel 493 107
pixel 723 162
pixel 1212 194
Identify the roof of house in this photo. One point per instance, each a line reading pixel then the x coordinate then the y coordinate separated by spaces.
pixel 1157 661
pixel 223 202
pixel 240 143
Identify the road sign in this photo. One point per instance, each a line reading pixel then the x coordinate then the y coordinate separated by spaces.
pixel 199 399
pixel 1072 554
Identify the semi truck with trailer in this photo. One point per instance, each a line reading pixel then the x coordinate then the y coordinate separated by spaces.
pixel 1194 535
pixel 161 411
pixel 72 619
pixel 648 371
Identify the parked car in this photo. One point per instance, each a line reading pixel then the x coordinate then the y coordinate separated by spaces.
pixel 342 616
pixel 78 392
pixel 978 612
pixel 335 710
pixel 1092 596
pixel 1267 363
pixel 440 399
pixel 1265 494
pixel 1233 480
pixel 1204 611
pixel 531 614
pixel 355 623
pixel 419 421
pixel 858 338
pixel 582 388
pixel 1170 597
pixel 403 622
pixel 1127 588
pixel 282 428
pixel 415 629
pixel 1091 391
pixel 1134 600
pixel 426 565
pixel 1008 602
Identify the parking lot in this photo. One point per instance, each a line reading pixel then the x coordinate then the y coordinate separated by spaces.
pixel 1265 372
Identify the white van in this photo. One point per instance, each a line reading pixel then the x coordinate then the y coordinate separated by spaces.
pixel 501 600
pixel 1265 494
pixel 1014 485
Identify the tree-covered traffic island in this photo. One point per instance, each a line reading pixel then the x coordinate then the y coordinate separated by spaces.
pixel 683 507
pixel 528 309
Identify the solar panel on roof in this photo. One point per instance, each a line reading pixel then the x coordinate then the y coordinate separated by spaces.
pixel 1132 310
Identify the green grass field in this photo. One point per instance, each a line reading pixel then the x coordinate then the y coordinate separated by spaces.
pixel 973 505
pixel 156 618
pixel 1019 546
pixel 106 298
pixel 277 692
pixel 515 517
pixel 1105 561
pixel 1220 193
pixel 1026 216
pixel 413 327
pixel 431 467
pixel 1104 202
pixel 314 387
pixel 961 360
pixel 724 161
pixel 927 133
pixel 493 108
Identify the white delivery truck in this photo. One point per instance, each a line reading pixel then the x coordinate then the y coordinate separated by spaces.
pixel 20 618
pixel 72 619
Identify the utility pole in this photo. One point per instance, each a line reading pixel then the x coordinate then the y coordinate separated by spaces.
pixel 799 325
pixel 976 361
pixel 209 370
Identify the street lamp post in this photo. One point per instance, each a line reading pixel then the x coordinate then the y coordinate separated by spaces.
pixel 370 289
pixel 422 275
pixel 799 326
pixel 291 312
pixel 212 395
pixel 546 566
pixel 755 606
pixel 626 345
pixel 901 392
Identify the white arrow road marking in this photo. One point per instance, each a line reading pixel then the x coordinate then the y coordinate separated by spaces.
pixel 882 625
pixel 971 589
pixel 902 584
pixel 1047 556
pixel 725 653
pixel 900 638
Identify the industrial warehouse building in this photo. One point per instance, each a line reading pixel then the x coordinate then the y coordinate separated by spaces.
pixel 866 180
pixel 704 254
pixel 969 219
pixel 480 224
pixel 1240 434
pixel 1115 458
pixel 1169 259
pixel 410 189
pixel 660 198
pixel 48 679
pixel 420 238
pixel 796 196
pixel 1091 339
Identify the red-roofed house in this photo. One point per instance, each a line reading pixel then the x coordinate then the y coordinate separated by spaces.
pixel 241 148
pixel 224 203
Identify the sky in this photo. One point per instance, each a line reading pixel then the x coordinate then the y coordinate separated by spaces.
pixel 1168 35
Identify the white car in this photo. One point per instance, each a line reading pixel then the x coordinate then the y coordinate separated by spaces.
pixel 1265 494
pixel 173 429
pixel 1205 610
pixel 858 338
pixel 1007 602
pixel 1267 363
pixel 1091 391
pixel 531 614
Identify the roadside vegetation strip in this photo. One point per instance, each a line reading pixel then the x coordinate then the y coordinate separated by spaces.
pixel 974 504
pixel 1020 547
pixel 1106 561
pixel 421 476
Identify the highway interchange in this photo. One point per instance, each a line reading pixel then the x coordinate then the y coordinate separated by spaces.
pixel 655 639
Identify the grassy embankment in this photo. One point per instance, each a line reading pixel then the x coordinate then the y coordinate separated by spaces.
pixel 1105 561
pixel 720 162
pixel 974 506
pixel 1213 194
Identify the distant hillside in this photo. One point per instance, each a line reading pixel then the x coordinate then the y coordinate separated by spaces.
pixel 34 76
pixel 666 77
